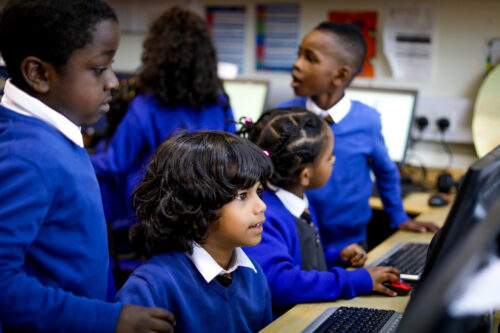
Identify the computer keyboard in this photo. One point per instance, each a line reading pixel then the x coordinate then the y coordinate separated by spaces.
pixel 409 259
pixel 354 319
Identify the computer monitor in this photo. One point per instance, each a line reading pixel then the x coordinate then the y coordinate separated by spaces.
pixel 430 309
pixel 396 108
pixel 468 237
pixel 477 192
pixel 247 97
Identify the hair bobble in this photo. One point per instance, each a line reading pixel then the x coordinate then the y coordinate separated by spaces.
pixel 266 153
pixel 246 124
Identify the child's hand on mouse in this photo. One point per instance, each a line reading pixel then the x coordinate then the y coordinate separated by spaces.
pixel 355 254
pixel 135 319
pixel 380 274
pixel 412 225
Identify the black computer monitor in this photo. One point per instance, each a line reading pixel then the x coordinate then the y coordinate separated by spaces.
pixel 468 237
pixel 430 308
pixel 476 194
pixel 397 109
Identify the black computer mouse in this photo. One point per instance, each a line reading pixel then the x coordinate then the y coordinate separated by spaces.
pixel 438 200
pixel 401 288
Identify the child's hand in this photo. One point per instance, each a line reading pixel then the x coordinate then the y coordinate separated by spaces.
pixel 380 274
pixel 412 225
pixel 137 319
pixel 355 254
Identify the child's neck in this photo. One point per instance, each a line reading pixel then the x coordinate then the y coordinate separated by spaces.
pixel 223 256
pixel 326 101
pixel 298 190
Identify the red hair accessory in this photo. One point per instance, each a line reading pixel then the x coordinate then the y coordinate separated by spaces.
pixel 266 153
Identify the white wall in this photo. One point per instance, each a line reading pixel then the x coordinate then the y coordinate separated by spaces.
pixel 462 30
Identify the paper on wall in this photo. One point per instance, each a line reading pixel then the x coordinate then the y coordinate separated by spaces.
pixel 409 38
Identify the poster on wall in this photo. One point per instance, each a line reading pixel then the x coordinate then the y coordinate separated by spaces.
pixel 277 36
pixel 366 21
pixel 227 27
pixel 409 39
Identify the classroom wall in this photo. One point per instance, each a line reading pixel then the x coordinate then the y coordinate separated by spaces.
pixel 462 31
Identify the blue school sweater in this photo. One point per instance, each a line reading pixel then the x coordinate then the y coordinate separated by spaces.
pixel 280 257
pixel 144 127
pixel 54 250
pixel 342 205
pixel 172 281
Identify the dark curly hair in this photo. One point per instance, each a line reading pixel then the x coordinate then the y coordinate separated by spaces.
pixel 294 137
pixel 48 29
pixel 351 39
pixel 179 63
pixel 190 177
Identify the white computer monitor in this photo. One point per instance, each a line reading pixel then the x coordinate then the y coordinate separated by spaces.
pixel 247 97
pixel 397 109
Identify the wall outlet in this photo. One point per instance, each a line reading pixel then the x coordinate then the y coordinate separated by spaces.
pixel 457 110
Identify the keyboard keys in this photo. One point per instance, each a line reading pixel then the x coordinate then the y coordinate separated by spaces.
pixel 410 259
pixel 354 320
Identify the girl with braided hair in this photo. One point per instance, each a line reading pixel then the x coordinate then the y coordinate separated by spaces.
pixel 300 145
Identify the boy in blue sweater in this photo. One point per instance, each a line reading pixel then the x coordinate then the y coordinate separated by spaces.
pixel 197 205
pixel 54 253
pixel 329 58
pixel 300 144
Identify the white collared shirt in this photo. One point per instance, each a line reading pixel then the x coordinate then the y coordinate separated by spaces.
pixel 337 112
pixel 209 268
pixel 18 101
pixel 293 203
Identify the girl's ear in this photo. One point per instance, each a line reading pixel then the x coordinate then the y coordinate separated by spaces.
pixel 305 176
pixel 341 76
pixel 36 74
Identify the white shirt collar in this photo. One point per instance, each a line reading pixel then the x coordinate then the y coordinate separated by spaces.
pixel 18 101
pixel 209 268
pixel 293 203
pixel 337 112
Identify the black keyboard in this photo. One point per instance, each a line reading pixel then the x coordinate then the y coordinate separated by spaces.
pixel 353 320
pixel 409 259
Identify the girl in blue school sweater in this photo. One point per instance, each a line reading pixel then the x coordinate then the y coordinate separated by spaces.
pixel 179 90
pixel 197 205
pixel 300 145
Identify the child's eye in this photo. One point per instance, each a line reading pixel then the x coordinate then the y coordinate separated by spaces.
pixel 259 192
pixel 100 70
pixel 241 196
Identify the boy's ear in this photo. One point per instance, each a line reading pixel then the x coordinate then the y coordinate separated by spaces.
pixel 36 74
pixel 341 76
pixel 305 176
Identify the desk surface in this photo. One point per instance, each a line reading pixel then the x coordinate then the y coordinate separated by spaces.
pixel 301 315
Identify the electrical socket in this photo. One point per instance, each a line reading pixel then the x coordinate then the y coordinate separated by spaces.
pixel 458 111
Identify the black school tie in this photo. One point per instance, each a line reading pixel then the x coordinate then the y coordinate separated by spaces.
pixel 329 120
pixel 225 279
pixel 306 216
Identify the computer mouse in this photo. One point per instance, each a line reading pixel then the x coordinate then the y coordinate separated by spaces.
pixel 401 288
pixel 438 200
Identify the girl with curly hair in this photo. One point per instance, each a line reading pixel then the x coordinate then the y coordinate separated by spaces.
pixel 178 89
pixel 198 204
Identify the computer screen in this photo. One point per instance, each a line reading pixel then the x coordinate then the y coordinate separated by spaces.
pixel 477 192
pixel 247 97
pixel 468 237
pixel 433 306
pixel 396 108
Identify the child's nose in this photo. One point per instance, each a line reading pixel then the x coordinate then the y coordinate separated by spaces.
pixel 260 207
pixel 111 81
pixel 297 64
